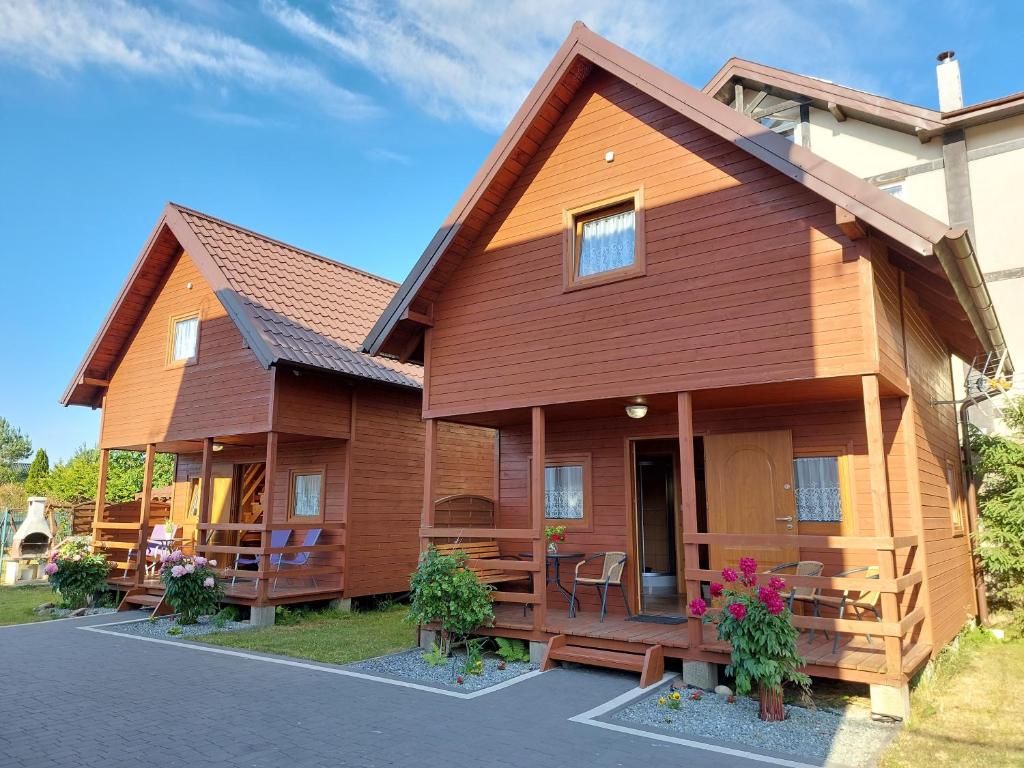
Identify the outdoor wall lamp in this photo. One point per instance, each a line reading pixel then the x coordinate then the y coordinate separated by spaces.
pixel 636 410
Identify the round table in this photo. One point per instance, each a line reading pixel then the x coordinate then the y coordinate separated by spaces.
pixel 553 570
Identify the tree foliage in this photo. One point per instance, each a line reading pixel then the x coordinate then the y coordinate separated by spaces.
pixel 15 447
pixel 75 480
pixel 446 592
pixel 35 483
pixel 1000 540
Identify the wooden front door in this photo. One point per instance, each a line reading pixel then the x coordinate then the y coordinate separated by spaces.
pixel 749 477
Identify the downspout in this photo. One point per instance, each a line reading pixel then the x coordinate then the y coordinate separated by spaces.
pixel 972 511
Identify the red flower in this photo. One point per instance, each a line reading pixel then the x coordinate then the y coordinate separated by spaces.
pixel 738 611
pixel 698 607
pixel 716 589
pixel 777 583
pixel 728 574
pixel 765 594
pixel 695 696
pixel 749 566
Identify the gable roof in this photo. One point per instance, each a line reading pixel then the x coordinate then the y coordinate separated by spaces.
pixel 290 305
pixel 926 242
pixel 869 107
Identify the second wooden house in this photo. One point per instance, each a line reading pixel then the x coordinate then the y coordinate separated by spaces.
pixel 299 459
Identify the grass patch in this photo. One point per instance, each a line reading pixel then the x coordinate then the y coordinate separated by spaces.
pixel 16 603
pixel 968 713
pixel 329 636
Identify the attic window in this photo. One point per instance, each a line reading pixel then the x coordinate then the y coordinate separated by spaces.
pixel 184 341
pixel 604 241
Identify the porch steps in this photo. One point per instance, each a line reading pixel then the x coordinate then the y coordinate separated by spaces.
pixel 650 663
pixel 143 597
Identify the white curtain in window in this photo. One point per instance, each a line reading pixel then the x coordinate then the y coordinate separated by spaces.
pixel 563 492
pixel 608 243
pixel 817 490
pixel 307 496
pixel 186 333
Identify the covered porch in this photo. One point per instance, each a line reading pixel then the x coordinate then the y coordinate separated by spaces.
pixel 861 422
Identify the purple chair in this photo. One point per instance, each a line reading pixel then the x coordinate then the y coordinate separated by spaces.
pixel 299 558
pixel 277 539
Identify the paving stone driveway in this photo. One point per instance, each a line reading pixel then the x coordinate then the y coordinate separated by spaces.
pixel 69 697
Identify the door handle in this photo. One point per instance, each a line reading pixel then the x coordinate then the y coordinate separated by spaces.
pixel 788 519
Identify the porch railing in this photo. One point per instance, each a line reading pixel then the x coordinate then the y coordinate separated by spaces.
pixel 894 627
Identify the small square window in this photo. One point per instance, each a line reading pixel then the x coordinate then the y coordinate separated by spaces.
pixel 184 339
pixel 563 492
pixel 307 499
pixel 604 241
pixel 819 496
pixel 896 190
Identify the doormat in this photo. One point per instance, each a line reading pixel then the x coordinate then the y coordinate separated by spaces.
pixel 659 619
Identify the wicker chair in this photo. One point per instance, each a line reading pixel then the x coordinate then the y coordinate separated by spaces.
pixel 800 594
pixel 859 601
pixel 611 575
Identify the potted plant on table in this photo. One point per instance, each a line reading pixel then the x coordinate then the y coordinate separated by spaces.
pixel 190 585
pixel 555 535
pixel 755 621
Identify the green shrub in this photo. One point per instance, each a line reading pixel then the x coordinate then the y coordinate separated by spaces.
pixel 474 656
pixel 190 586
pixel 434 657
pixel 512 650
pixel 75 573
pixel 446 592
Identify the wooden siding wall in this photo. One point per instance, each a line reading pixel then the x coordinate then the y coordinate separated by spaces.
pixel 748 278
pixel 951 589
pixel 387 484
pixel 888 315
pixel 225 392
pixel 815 427
pixel 308 403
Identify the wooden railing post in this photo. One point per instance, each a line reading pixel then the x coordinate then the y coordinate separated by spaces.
pixel 206 491
pixel 537 434
pixel 101 494
pixel 269 477
pixel 688 504
pixel 144 509
pixel 882 518
pixel 429 466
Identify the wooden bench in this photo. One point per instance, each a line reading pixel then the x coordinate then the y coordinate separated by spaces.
pixel 484 550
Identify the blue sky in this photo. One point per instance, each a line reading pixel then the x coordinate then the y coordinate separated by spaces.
pixel 348 128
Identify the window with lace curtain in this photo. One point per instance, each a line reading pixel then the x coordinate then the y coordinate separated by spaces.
pixel 306 496
pixel 819 497
pixel 183 344
pixel 604 241
pixel 567 490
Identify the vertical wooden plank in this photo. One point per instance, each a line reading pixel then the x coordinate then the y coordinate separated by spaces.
pixel 263 571
pixel 101 489
pixel 688 504
pixel 206 490
pixel 144 509
pixel 537 435
pixel 912 468
pixel 429 473
pixel 882 519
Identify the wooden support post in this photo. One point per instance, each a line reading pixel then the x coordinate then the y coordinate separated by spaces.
pixel 144 509
pixel 883 520
pixel 270 471
pixel 205 490
pixel 429 468
pixel 101 492
pixel 688 508
pixel 539 454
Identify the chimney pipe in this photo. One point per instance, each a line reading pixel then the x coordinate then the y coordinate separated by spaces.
pixel 947 73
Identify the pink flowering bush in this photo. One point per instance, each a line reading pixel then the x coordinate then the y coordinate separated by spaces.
pixel 75 573
pixel 190 585
pixel 755 621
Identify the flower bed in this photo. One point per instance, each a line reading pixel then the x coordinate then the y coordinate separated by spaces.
pixel 166 627
pixel 412 666
pixel 843 736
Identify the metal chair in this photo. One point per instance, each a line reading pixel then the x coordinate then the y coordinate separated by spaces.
pixel 158 546
pixel 858 600
pixel 299 558
pixel 277 539
pixel 611 575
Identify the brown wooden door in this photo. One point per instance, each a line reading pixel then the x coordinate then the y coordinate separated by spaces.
pixel 749 478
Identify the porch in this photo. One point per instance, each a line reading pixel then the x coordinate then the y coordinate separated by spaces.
pixel 873 421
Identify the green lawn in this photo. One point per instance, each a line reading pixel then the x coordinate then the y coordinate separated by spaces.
pixel 970 714
pixel 329 636
pixel 16 603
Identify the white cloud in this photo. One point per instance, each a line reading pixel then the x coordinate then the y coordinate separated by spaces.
pixel 476 59
pixel 380 154
pixel 52 37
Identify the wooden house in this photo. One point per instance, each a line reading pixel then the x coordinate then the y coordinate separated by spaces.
pixel 240 355
pixel 699 341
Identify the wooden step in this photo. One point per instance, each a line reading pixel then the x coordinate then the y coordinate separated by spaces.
pixel 143 599
pixel 650 663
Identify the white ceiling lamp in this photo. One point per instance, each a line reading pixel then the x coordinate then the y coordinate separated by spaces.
pixel 218 446
pixel 636 410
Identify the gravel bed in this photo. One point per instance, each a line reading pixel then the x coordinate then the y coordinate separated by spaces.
pixel 409 665
pixel 63 613
pixel 159 627
pixel 847 737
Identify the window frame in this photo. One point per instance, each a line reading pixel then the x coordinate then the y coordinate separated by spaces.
pixel 171 362
pixel 573 220
pixel 316 469
pixel 847 494
pixel 954 493
pixel 568 460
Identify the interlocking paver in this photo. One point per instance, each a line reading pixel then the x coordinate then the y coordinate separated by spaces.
pixel 89 699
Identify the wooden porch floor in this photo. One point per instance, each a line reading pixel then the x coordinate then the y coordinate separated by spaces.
pixel 855 659
pixel 244 592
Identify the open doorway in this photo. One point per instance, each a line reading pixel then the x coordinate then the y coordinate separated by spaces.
pixel 659 552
